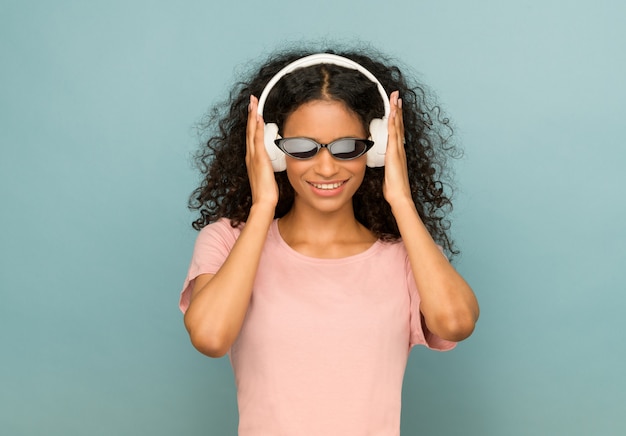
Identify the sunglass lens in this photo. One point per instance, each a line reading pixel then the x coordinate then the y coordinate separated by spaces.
pixel 343 149
pixel 300 148
pixel 346 149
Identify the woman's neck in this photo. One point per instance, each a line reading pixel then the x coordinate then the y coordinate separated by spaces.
pixel 319 234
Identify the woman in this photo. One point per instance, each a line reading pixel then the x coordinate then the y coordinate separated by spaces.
pixel 319 263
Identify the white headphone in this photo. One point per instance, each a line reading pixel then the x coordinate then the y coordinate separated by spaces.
pixel 378 126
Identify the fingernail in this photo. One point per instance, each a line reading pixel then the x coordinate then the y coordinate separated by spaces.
pixel 400 103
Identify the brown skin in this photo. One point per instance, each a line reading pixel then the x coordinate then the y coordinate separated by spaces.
pixel 448 304
pixel 322 224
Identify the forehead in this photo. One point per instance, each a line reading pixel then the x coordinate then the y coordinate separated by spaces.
pixel 324 121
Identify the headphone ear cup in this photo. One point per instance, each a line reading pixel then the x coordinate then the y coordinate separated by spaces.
pixel 276 155
pixel 378 133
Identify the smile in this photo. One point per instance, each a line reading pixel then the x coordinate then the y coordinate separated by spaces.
pixel 327 186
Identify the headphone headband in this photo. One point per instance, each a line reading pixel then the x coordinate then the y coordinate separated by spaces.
pixel 377 128
pixel 322 58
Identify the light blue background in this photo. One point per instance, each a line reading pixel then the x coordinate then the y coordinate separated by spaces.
pixel 97 104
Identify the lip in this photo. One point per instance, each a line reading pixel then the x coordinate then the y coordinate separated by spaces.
pixel 328 188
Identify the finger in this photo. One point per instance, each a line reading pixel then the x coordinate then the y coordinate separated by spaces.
pixel 251 125
pixel 400 121
pixel 259 136
pixel 395 128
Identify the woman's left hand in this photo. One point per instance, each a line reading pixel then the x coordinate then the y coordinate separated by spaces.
pixel 447 302
pixel 396 187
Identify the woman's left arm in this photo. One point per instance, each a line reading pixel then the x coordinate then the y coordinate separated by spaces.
pixel 448 304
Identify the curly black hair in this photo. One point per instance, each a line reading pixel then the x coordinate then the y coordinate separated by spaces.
pixel 225 190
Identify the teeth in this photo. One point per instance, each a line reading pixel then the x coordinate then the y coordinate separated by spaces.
pixel 327 185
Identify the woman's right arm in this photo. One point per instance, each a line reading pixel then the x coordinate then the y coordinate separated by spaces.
pixel 219 302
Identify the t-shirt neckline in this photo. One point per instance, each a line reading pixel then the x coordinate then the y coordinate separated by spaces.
pixel 275 234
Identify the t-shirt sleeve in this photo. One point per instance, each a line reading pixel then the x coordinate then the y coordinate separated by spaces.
pixel 420 335
pixel 211 249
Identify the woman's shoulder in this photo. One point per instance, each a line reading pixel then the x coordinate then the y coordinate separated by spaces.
pixel 221 229
pixel 225 224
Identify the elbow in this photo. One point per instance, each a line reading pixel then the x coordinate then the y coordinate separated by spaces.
pixel 455 327
pixel 460 330
pixel 207 341
pixel 212 347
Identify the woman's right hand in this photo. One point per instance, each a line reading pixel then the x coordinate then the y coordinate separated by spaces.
pixel 219 302
pixel 260 172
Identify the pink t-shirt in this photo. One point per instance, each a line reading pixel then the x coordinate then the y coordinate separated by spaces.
pixel 325 342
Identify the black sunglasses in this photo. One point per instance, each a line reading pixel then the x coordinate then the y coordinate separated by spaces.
pixel 342 149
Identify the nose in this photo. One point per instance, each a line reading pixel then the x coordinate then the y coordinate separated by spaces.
pixel 325 163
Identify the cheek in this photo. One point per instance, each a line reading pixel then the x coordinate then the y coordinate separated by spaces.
pixel 295 169
pixel 358 167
